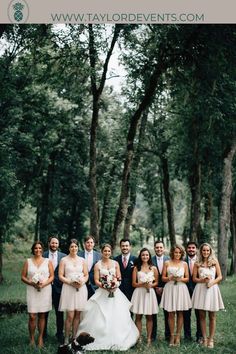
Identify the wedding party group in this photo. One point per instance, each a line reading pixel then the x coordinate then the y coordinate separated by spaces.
pixel 107 297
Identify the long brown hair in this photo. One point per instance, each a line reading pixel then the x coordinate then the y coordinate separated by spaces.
pixel 139 262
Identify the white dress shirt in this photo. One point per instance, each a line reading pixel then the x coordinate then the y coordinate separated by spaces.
pixel 53 256
pixel 160 263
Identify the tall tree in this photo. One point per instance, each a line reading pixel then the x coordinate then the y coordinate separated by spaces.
pixel 97 86
pixel 225 207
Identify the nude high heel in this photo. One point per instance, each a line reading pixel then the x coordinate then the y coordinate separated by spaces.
pixel 172 341
pixel 205 342
pixel 210 343
pixel 177 340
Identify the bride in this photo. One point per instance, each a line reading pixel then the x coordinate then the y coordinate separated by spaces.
pixel 107 316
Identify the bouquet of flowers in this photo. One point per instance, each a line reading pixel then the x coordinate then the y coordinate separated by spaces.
pixel 205 273
pixel 76 278
pixel 37 278
pixel 110 282
pixel 177 273
pixel 147 278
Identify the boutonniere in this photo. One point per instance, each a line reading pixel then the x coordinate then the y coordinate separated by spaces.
pixel 132 264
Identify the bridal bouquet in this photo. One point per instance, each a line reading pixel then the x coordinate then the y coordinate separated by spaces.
pixel 205 273
pixel 37 278
pixel 177 273
pixel 147 278
pixel 76 278
pixel 110 282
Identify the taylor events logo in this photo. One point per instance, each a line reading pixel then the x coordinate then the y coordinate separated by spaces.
pixel 18 11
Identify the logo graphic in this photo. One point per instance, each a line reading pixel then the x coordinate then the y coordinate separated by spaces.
pixel 18 11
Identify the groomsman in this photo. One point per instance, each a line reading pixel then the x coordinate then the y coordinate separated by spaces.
pixel 126 262
pixel 92 257
pixel 191 250
pixel 158 261
pixel 55 256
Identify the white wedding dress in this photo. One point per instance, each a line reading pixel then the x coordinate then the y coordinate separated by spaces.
pixel 108 319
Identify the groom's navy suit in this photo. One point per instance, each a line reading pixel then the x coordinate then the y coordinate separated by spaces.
pixel 56 294
pixel 90 283
pixel 187 314
pixel 126 275
pixel 160 284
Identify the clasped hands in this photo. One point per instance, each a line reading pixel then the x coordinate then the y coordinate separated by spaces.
pixel 38 286
pixel 76 284
pixel 207 281
pixel 172 277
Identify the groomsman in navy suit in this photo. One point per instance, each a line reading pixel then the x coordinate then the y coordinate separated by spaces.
pixel 126 262
pixel 158 261
pixel 92 257
pixel 55 256
pixel 191 250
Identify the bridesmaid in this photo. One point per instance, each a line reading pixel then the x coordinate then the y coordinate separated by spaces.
pixel 144 301
pixel 206 295
pixel 38 274
pixel 73 273
pixel 175 297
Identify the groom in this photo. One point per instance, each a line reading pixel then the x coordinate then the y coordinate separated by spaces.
pixel 92 257
pixel 126 262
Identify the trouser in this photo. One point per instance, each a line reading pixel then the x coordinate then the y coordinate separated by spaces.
pixel 59 315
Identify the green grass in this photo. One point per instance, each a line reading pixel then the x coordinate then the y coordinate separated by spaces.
pixel 14 331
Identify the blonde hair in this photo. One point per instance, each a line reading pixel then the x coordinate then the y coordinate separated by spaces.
pixel 211 261
pixel 172 250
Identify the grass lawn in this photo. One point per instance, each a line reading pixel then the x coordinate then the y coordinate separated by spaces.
pixel 14 331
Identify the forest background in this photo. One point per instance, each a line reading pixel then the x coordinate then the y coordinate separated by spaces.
pixel 150 159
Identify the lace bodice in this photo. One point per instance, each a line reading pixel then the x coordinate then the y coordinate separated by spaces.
pixel 146 277
pixel 207 272
pixel 104 271
pixel 177 272
pixel 75 267
pixel 42 270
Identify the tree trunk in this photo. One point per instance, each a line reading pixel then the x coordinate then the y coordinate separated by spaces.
pixel 45 221
pixel 195 188
pixel 37 225
pixel 1 254
pixel 162 212
pixel 145 102
pixel 233 234
pixel 168 199
pixel 225 208
pixel 134 178
pixel 208 218
pixel 96 92
pixel 105 232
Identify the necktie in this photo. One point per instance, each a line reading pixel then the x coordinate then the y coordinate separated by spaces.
pixel 54 260
pixel 124 262
pixel 89 260
pixel 160 264
pixel 191 264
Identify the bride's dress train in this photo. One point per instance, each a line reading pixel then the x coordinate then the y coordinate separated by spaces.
pixel 108 320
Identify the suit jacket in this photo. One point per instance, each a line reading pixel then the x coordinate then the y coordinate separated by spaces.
pixel 160 284
pixel 57 284
pixel 190 284
pixel 126 275
pixel 96 258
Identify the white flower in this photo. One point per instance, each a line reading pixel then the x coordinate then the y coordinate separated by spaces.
pixel 76 278
pixel 176 273
pixel 147 278
pixel 204 273
pixel 37 278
